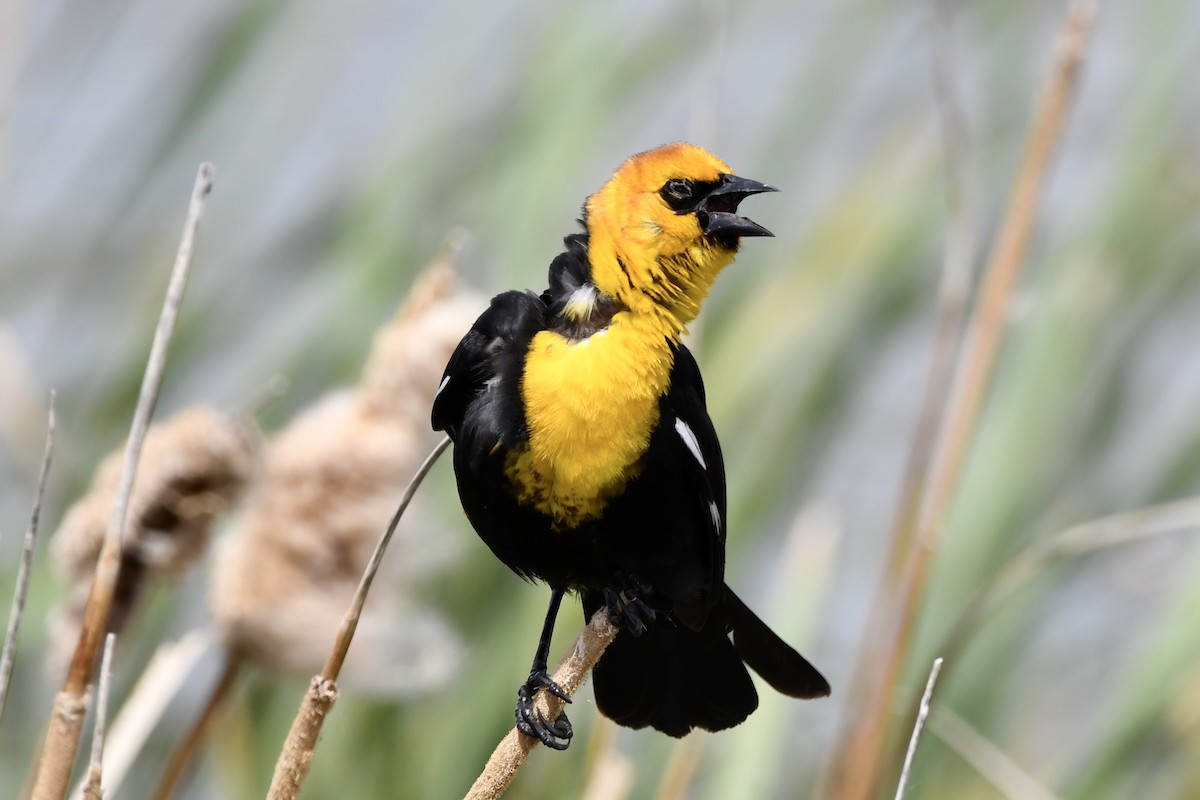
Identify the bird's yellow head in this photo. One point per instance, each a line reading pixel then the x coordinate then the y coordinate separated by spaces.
pixel 664 226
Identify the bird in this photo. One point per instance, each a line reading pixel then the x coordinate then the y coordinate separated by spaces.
pixel 585 458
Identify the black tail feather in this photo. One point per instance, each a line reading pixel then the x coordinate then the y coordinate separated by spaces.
pixel 675 679
pixel 773 659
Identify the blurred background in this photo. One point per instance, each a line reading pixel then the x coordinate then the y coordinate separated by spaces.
pixel 351 139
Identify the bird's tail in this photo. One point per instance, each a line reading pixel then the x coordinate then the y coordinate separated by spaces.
pixel 674 679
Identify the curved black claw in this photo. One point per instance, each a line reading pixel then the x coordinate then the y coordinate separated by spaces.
pixel 626 608
pixel 531 722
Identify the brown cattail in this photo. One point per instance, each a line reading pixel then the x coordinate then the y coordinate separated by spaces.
pixel 193 467
pixel 330 481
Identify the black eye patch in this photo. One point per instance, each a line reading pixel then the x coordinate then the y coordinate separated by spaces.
pixel 683 195
pixel 678 193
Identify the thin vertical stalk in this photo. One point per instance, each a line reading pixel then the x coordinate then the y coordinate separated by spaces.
pixel 22 590
pixel 93 789
pixel 62 737
pixel 858 772
pixel 918 726
pixel 299 749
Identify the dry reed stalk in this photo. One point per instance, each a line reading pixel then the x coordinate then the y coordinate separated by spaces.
pixel 57 757
pixel 167 672
pixel 93 788
pixel 299 748
pixel 571 674
pixel 345 634
pixel 918 726
pixel 953 301
pixel 22 589
pixel 66 725
pixel 858 770
pixel 309 531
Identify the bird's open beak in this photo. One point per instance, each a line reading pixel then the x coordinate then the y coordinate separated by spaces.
pixel 717 217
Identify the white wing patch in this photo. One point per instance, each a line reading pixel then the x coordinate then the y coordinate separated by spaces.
pixel 690 440
pixel 445 381
pixel 716 515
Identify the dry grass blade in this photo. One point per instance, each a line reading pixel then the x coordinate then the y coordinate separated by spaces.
pixel 858 772
pixel 190 744
pixel 1126 527
pixel 167 672
pixel 918 726
pixel 299 748
pixel 987 759
pixel 571 673
pixel 62 737
pixel 93 789
pixel 22 589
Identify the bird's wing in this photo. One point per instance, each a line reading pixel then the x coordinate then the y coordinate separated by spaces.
pixel 699 451
pixel 478 400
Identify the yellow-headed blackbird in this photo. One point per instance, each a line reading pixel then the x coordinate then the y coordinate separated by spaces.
pixel 585 457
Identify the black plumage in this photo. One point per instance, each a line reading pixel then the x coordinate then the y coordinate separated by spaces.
pixel 654 556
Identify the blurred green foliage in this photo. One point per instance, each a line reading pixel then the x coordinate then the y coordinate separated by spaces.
pixel 350 138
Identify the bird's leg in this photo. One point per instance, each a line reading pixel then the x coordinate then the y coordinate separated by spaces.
pixel 557 734
pixel 626 608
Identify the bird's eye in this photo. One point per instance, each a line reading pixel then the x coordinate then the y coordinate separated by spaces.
pixel 678 193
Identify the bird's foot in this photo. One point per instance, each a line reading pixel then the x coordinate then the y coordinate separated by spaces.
pixel 626 608
pixel 531 722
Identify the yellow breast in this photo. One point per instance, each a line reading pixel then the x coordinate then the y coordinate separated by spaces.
pixel 590 407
